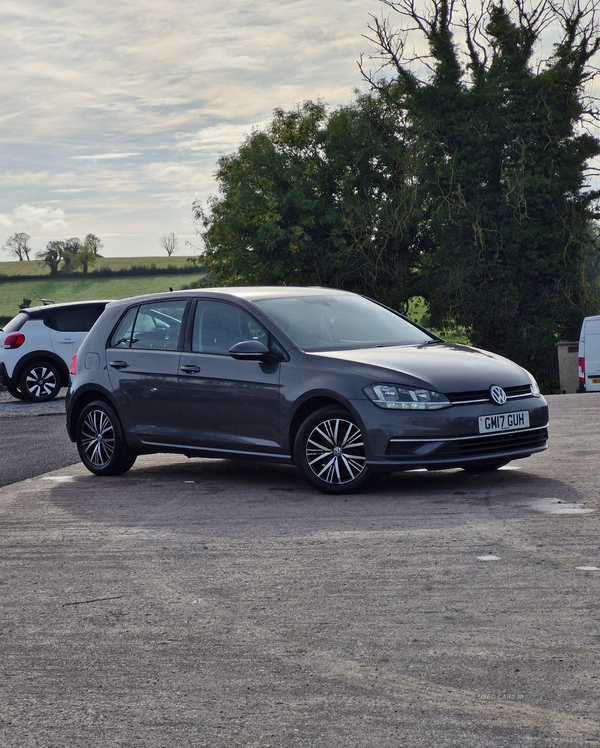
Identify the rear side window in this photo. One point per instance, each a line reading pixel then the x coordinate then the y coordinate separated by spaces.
pixel 75 318
pixel 16 323
pixel 151 326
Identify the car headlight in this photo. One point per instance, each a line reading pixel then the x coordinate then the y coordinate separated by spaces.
pixel 405 398
pixel 535 390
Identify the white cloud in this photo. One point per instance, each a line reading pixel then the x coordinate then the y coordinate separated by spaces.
pixel 47 220
pixel 105 156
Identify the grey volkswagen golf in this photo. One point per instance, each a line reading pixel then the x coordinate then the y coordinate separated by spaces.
pixel 330 381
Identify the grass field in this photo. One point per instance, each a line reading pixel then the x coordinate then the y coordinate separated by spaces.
pixel 80 287
pixel 37 267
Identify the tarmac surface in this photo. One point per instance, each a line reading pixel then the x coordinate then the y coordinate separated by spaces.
pixel 220 604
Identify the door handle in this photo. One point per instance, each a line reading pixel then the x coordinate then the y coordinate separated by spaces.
pixel 67 340
pixel 119 364
pixel 190 369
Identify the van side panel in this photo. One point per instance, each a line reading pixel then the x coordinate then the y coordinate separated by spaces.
pixel 589 350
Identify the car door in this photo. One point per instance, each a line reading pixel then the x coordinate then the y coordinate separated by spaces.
pixel 143 365
pixel 69 326
pixel 228 404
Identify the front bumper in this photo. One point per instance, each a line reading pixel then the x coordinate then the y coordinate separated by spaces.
pixel 449 437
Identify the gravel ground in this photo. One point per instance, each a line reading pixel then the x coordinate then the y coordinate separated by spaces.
pixel 10 406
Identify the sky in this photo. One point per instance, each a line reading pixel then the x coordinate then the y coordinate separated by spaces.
pixel 114 113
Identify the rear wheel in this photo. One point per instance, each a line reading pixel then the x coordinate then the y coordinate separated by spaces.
pixel 330 452
pixel 40 381
pixel 100 441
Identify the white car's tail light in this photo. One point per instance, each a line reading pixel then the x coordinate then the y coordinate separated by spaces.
pixel 581 369
pixel 15 340
pixel 73 367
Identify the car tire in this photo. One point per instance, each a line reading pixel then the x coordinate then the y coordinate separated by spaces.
pixel 15 391
pixel 329 451
pixel 40 381
pixel 100 440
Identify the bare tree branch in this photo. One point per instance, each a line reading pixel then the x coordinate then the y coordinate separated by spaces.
pixel 170 243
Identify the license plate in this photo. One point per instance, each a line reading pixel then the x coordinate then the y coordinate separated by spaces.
pixel 504 422
pixel 595 381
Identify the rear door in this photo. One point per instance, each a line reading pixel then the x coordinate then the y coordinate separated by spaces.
pixel 69 326
pixel 143 365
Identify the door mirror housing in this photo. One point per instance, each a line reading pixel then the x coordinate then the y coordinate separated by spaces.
pixel 250 350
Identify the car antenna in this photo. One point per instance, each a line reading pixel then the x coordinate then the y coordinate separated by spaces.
pixel 45 302
pixel 170 289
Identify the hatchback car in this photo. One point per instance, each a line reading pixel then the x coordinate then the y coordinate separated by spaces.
pixel 330 381
pixel 38 344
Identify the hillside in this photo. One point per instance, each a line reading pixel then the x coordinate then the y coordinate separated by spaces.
pixel 15 285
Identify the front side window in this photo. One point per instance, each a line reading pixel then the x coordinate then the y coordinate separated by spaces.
pixel 122 335
pixel 218 326
pixel 151 326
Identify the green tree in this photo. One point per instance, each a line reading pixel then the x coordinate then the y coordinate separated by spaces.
pixel 88 253
pixel 318 198
pixel 504 160
pixel 70 250
pixel 52 255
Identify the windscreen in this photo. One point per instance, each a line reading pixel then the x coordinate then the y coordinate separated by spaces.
pixel 340 322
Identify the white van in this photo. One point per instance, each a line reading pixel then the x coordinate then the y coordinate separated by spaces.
pixel 589 355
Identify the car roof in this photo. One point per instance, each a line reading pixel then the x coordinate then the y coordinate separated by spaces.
pixel 250 293
pixel 63 304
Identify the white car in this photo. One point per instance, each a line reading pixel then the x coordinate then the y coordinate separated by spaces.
pixel 38 344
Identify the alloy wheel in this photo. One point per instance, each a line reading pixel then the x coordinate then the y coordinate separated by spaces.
pixel 97 438
pixel 335 451
pixel 41 382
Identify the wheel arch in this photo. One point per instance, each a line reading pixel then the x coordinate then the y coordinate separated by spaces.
pixel 41 356
pixel 310 405
pixel 84 397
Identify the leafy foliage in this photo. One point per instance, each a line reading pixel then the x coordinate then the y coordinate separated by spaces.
pixel 505 163
pixel 72 253
pixel 318 198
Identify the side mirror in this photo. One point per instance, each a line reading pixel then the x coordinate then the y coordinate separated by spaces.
pixel 250 350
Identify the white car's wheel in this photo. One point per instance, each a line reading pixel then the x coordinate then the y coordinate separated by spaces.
pixel 40 381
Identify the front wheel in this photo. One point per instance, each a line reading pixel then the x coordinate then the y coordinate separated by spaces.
pixel 100 441
pixel 330 452
pixel 40 381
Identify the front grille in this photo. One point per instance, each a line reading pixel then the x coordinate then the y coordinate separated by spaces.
pixel 483 396
pixel 472 446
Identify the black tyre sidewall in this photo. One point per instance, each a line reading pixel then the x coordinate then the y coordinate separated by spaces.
pixel 122 458
pixel 15 391
pixel 305 470
pixel 27 395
